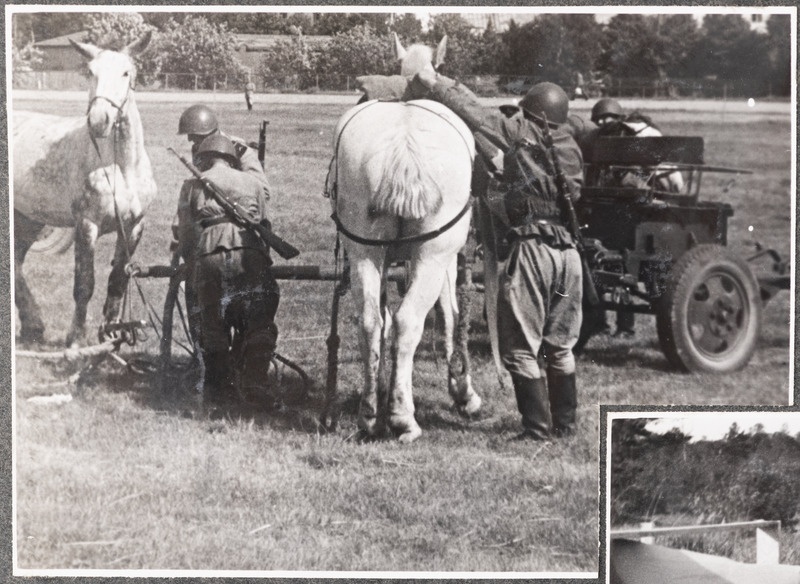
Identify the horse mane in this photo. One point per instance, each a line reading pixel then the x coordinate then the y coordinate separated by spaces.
pixel 408 187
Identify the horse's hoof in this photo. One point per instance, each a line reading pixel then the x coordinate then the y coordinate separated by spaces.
pixel 404 429
pixel 410 435
pixel 471 408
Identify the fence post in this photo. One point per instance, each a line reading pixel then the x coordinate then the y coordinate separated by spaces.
pixel 195 81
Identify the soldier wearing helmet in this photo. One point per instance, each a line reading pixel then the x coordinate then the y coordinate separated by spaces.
pixel 230 276
pixel 199 121
pixel 540 281
pixel 611 120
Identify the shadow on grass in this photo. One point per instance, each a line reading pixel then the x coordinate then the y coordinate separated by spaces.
pixel 625 353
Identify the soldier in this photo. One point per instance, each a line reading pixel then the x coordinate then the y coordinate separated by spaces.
pixel 579 91
pixel 540 286
pixel 198 121
pixel 610 120
pixel 234 287
pixel 249 89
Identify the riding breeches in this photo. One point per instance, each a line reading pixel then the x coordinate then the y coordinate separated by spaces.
pixel 539 303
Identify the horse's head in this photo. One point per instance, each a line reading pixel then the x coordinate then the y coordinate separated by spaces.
pixel 419 57
pixel 113 77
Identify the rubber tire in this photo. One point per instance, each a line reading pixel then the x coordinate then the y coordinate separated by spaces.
pixel 686 283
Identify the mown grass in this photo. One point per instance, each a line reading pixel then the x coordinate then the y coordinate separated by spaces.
pixel 120 478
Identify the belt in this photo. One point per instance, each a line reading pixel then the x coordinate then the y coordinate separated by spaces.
pixel 209 221
pixel 554 222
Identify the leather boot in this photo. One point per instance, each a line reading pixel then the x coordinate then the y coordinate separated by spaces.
pixel 218 390
pixel 532 404
pixel 563 402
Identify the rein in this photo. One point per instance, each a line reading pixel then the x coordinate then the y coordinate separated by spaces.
pixel 418 238
pixel 117 217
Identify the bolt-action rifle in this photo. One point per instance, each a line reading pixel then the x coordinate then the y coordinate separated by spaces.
pixel 589 290
pixel 241 217
pixel 262 142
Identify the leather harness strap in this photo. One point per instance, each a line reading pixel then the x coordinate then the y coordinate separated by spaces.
pixel 420 237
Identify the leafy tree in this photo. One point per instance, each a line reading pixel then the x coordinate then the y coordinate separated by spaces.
pixel 114 30
pixel 454 26
pixel 291 60
pixel 199 47
pixel 25 59
pixel 779 30
pixel 408 27
pixel 359 51
pixel 679 34
pixel 334 23
pixel 632 47
pixel 553 47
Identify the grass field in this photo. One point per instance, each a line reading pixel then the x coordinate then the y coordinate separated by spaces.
pixel 119 478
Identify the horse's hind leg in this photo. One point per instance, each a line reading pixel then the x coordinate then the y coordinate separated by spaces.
pixel 366 285
pixel 459 382
pixel 409 320
pixel 118 278
pixel 86 234
pixel 30 317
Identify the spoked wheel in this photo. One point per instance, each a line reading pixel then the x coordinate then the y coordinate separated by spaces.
pixel 710 315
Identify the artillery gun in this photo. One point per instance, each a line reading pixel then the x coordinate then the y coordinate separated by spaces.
pixel 665 253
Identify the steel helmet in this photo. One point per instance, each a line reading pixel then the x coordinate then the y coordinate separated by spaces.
pixel 198 119
pixel 606 107
pixel 546 100
pixel 217 145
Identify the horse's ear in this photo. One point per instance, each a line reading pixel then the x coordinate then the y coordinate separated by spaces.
pixel 139 46
pixel 399 51
pixel 441 51
pixel 87 51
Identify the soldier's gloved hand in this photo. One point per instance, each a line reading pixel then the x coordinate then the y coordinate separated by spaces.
pixel 422 83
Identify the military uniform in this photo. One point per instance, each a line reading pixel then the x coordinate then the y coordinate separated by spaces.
pixel 249 89
pixel 231 278
pixel 540 287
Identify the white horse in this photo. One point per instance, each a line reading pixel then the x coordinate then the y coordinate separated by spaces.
pixel 90 173
pixel 403 170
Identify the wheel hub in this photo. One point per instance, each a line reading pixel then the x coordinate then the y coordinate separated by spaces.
pixel 716 314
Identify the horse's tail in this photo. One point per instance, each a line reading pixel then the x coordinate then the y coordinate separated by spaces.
pixel 408 187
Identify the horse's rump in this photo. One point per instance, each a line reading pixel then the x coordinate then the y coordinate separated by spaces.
pixel 405 155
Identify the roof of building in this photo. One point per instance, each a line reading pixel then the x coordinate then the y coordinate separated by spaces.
pixel 247 42
pixel 62 41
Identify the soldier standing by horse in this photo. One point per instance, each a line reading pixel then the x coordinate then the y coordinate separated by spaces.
pixel 540 280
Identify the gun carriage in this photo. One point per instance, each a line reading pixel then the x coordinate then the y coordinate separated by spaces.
pixel 664 253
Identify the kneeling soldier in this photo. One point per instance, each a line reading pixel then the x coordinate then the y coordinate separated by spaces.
pixel 236 292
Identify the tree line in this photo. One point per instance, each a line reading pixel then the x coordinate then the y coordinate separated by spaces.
pixel 665 49
pixel 744 476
